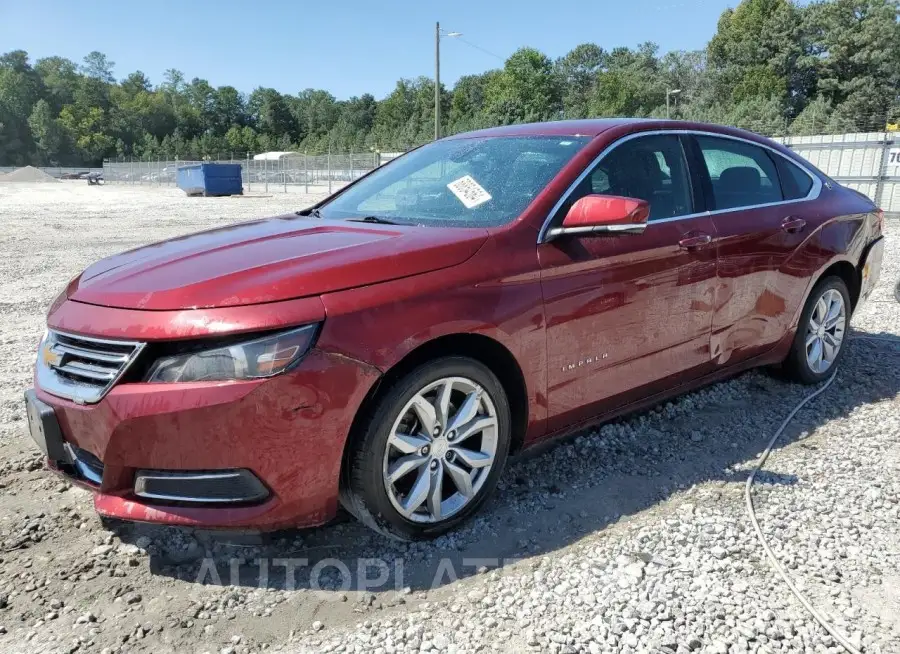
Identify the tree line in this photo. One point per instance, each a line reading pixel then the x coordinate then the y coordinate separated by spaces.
pixel 773 66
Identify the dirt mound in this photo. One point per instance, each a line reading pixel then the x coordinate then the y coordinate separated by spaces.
pixel 28 174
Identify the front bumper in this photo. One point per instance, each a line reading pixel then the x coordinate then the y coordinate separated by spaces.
pixel 288 431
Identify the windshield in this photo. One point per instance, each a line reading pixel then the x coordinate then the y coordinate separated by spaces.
pixel 477 182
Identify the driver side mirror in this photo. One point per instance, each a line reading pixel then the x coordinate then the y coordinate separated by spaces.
pixel 604 214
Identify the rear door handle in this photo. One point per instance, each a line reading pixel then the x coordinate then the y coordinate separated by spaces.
pixel 793 225
pixel 695 241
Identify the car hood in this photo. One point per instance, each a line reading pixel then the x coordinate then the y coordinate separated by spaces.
pixel 269 260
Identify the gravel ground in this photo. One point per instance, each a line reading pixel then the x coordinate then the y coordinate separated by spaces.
pixel 629 538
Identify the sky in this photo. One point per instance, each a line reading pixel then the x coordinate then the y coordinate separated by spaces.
pixel 348 47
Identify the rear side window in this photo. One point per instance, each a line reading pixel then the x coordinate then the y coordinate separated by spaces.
pixel 742 175
pixel 795 183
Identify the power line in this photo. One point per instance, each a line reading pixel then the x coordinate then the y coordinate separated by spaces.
pixel 478 47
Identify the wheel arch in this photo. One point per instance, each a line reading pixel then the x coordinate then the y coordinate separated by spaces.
pixel 479 347
pixel 841 268
pixel 850 275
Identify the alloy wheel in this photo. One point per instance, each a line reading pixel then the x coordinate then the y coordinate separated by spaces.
pixel 825 331
pixel 440 450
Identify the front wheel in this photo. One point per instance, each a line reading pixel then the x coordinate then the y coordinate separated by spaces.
pixel 432 451
pixel 819 342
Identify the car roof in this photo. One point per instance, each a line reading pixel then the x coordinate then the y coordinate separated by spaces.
pixel 587 127
pixel 592 127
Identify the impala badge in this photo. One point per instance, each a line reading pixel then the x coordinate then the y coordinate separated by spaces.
pixel 585 362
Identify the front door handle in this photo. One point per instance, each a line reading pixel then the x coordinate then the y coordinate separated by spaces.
pixel 793 225
pixel 695 241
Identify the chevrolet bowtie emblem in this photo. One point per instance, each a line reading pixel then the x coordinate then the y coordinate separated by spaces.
pixel 49 357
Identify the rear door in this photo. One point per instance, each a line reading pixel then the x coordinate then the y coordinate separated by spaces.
pixel 629 314
pixel 757 227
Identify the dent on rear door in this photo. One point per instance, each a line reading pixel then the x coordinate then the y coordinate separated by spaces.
pixel 756 291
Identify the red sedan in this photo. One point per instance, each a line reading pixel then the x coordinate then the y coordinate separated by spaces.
pixel 389 348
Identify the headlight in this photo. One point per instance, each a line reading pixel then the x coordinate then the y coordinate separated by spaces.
pixel 254 359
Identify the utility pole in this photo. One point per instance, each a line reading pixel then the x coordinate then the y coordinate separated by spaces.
pixel 437 76
pixel 437 81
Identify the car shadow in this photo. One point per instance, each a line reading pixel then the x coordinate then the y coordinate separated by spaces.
pixel 547 499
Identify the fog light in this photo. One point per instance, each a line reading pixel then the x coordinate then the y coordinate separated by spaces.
pixel 200 487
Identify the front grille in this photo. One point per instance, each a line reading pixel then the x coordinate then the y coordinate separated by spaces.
pixel 82 368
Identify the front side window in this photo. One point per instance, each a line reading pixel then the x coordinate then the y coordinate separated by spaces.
pixel 472 182
pixel 650 168
pixel 742 174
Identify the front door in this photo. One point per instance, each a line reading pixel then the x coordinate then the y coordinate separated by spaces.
pixel 627 314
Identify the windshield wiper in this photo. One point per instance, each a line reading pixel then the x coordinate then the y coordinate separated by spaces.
pixel 315 213
pixel 373 219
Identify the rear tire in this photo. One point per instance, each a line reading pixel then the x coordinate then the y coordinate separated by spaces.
pixel 431 452
pixel 822 332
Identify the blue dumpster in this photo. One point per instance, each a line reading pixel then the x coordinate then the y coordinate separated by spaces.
pixel 209 179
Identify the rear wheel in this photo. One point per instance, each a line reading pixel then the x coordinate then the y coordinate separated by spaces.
pixel 432 451
pixel 819 342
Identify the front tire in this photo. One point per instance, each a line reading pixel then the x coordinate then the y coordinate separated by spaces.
pixel 432 451
pixel 818 345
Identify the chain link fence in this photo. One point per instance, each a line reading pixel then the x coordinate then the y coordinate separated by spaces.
pixel 286 173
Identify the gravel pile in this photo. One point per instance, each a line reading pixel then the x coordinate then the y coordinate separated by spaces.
pixel 29 175
pixel 629 538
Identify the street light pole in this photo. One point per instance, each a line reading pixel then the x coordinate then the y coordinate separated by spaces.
pixel 437 81
pixel 668 93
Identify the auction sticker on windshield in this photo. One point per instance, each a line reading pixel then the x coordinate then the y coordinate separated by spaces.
pixel 469 192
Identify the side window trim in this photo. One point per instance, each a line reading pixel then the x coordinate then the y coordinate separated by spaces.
pixel 692 192
pixel 813 194
pixel 700 180
pixel 778 174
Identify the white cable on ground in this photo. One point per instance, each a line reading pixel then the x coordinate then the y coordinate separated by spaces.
pixel 840 638
pixel 762 539
pixel 752 511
